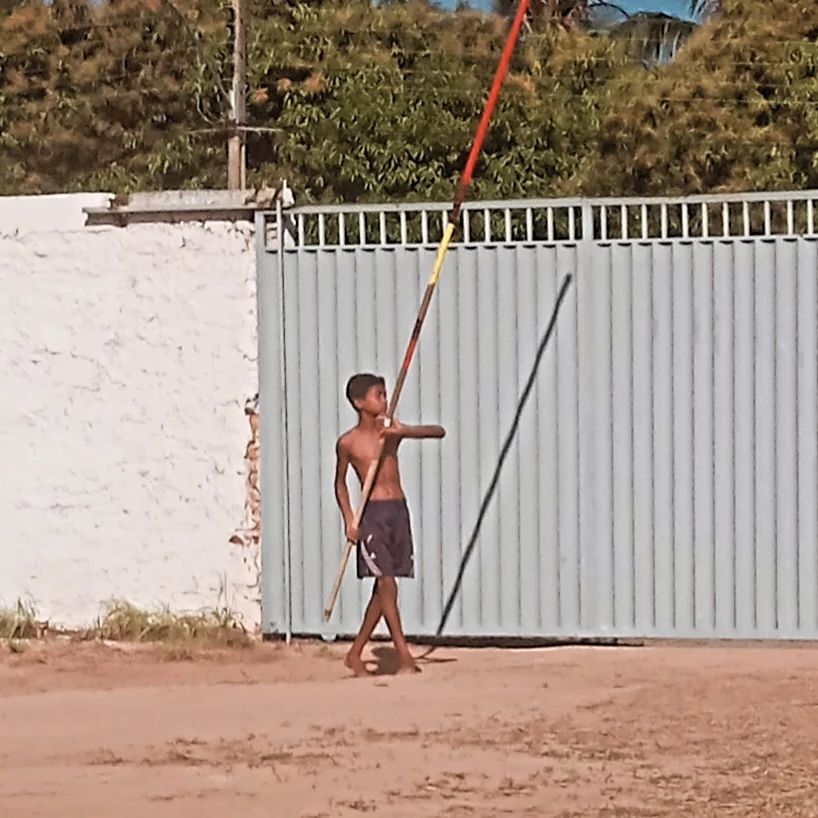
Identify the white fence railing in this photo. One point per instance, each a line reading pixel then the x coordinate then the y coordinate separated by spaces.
pixel 526 221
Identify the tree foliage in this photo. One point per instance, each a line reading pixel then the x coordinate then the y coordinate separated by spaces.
pixel 355 102
pixel 737 109
pixel 109 96
pixel 384 104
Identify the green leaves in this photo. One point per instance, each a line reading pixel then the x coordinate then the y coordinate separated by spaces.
pixel 735 111
pixel 355 102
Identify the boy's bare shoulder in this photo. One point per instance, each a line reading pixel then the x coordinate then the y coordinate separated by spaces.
pixel 346 439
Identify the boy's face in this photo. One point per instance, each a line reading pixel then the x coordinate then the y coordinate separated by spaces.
pixel 374 402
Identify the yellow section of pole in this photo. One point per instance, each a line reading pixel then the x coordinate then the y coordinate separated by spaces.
pixel 441 254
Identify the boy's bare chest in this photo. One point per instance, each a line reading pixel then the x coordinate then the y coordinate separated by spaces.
pixel 365 449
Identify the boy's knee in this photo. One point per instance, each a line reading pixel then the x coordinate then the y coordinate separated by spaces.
pixel 387 585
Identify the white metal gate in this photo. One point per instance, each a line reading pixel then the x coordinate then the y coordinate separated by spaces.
pixel 663 480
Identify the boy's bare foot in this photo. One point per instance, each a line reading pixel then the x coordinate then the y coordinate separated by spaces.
pixel 356 665
pixel 407 666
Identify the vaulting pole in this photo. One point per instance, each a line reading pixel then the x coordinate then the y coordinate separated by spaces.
pixel 454 218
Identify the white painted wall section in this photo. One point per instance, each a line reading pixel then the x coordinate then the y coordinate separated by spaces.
pixel 47 214
pixel 126 357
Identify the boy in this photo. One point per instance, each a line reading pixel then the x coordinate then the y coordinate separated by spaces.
pixel 384 541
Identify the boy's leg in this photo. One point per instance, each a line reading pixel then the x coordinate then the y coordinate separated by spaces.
pixel 371 618
pixel 388 593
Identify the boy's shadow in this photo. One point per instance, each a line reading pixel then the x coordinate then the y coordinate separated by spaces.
pixel 386 659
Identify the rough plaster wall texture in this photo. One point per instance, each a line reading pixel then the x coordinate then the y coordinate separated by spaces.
pixel 126 358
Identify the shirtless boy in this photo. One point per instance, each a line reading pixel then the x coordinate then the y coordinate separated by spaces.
pixel 384 542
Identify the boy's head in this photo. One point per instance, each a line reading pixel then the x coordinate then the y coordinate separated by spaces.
pixel 367 393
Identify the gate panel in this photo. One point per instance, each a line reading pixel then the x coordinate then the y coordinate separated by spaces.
pixel 352 310
pixel 807 436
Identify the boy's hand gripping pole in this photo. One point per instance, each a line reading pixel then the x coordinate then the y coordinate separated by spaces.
pixel 454 218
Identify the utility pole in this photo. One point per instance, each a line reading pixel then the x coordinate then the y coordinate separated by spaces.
pixel 236 149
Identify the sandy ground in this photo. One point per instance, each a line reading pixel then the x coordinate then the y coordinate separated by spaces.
pixel 90 730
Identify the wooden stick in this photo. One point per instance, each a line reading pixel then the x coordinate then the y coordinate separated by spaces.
pixel 454 218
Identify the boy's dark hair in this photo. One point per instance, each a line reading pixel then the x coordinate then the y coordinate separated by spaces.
pixel 358 385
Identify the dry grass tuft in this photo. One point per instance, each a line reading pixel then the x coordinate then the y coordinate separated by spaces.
pixel 21 622
pixel 210 628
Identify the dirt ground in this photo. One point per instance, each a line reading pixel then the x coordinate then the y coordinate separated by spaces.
pixel 93 730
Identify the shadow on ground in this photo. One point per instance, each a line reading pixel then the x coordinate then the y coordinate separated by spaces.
pixel 386 661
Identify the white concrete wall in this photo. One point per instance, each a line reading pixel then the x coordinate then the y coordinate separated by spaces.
pixel 126 357
pixel 46 214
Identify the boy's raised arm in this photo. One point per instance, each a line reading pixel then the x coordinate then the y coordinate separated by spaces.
pixel 424 431
pixel 400 430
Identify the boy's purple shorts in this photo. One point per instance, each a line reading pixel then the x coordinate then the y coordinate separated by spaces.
pixel 385 546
